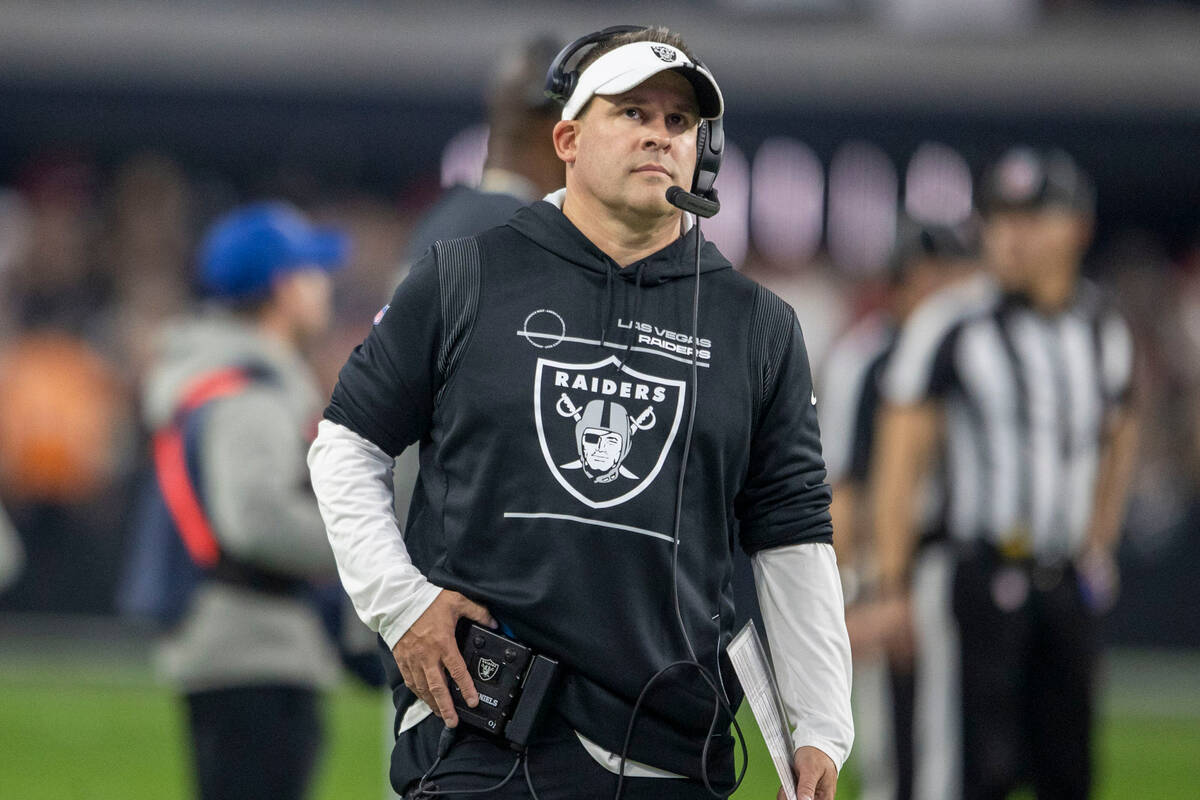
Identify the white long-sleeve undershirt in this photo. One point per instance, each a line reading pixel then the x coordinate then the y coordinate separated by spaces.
pixel 352 479
pixel 800 594
pixel 798 589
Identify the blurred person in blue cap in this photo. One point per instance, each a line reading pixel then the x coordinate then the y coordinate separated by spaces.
pixel 232 405
pixel 1023 381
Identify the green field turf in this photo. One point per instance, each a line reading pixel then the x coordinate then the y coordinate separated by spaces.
pixel 100 738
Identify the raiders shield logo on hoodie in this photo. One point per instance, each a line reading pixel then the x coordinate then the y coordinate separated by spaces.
pixel 605 429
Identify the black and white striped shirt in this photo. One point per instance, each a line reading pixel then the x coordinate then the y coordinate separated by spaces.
pixel 1026 397
pixel 851 394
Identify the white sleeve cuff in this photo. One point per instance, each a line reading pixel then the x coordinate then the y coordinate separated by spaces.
pixel 836 752
pixel 352 479
pixel 395 626
pixel 800 594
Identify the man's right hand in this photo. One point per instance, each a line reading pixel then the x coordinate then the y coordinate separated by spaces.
pixel 428 650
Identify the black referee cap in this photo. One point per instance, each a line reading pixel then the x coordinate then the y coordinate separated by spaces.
pixel 1029 179
pixel 916 240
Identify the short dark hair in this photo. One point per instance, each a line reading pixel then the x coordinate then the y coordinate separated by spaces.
pixel 517 84
pixel 657 33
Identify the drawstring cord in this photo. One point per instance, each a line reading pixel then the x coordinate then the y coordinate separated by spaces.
pixel 637 309
pixel 606 311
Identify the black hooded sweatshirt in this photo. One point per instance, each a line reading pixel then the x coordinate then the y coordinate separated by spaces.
pixel 549 390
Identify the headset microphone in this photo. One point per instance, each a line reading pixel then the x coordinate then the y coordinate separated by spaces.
pixel 702 200
pixel 693 203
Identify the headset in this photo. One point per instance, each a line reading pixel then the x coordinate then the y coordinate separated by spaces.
pixel 710 136
pixel 702 201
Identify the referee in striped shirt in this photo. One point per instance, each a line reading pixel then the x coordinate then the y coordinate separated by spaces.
pixel 1022 382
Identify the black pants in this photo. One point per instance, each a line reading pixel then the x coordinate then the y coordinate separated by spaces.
pixel 1028 661
pixel 254 743
pixel 559 768
pixel 902 682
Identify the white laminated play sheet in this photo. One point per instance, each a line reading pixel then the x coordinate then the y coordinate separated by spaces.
pixel 758 682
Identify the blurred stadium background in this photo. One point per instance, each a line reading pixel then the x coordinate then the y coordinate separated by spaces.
pixel 126 126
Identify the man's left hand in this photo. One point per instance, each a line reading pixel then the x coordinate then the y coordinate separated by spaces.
pixel 816 776
pixel 1099 579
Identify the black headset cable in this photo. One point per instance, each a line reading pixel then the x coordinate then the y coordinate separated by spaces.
pixel 721 702
pixel 444 742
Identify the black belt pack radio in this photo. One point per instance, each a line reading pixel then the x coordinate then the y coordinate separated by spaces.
pixel 514 684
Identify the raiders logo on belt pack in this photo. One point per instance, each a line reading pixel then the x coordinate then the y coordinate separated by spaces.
pixel 486 670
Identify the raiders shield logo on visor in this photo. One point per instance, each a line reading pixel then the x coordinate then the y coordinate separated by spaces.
pixel 665 53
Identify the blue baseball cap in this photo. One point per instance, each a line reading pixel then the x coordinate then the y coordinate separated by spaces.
pixel 245 249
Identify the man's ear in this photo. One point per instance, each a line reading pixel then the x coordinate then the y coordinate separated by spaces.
pixel 566 140
pixel 283 289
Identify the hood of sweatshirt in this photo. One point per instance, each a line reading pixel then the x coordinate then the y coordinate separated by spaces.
pixel 188 348
pixel 545 224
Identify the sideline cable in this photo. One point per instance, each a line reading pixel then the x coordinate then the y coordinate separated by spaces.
pixel 444 742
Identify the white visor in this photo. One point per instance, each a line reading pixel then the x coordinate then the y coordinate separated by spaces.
pixel 630 65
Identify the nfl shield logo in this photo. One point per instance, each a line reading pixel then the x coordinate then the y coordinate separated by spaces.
pixel 604 429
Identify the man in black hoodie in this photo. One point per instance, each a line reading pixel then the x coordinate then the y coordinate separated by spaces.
pixel 592 448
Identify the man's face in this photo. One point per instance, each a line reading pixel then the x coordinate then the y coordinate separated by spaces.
pixel 1022 245
pixel 627 149
pixel 601 448
pixel 305 297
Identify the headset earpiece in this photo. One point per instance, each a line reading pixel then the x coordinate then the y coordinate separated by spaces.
pixel 560 82
pixel 710 149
